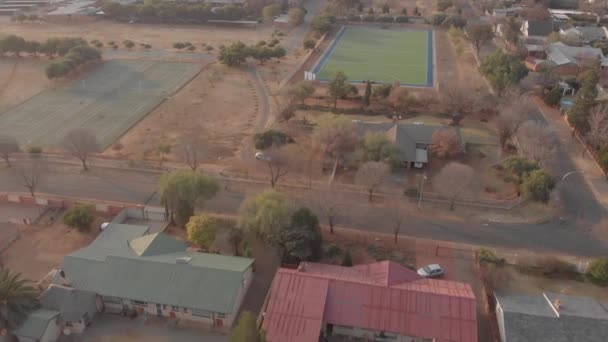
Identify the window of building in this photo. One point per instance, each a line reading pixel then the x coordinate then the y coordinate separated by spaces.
pixel 201 313
pixel 174 308
pixel 138 303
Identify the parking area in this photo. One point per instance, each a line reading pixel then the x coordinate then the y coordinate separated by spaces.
pixel 114 328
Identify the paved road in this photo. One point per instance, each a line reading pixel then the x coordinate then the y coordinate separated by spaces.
pixel 129 186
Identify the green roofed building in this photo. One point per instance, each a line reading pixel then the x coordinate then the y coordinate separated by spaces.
pixel 132 270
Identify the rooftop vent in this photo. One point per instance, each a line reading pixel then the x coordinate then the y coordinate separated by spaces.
pixel 183 260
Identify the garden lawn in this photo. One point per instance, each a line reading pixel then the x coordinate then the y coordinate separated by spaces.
pixel 380 55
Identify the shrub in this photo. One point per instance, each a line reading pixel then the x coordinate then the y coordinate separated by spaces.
pixel 270 138
pixel 309 44
pixel 385 19
pixel 333 251
pixel 209 48
pixel 79 216
pixel 598 271
pixel 353 18
pixel 382 91
pixel 402 19
pixel 347 260
pixel 553 97
pixel 370 18
pixel 554 267
pixel 537 185
pixel 519 166
pixel 488 255
pixel 438 19
pixel 191 48
pixel 179 45
pixel 34 150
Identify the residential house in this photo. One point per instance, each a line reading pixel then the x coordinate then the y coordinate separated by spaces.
pixel 504 12
pixel 382 301
pixel 63 309
pixel 412 140
pixel 134 271
pixel 551 317
pixel 585 34
pixel 567 60
pixel 537 30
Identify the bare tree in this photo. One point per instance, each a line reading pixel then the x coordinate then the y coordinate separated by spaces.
pixel 398 216
pixel 81 143
pixel 191 150
pixel 371 175
pixel 8 145
pixel 30 172
pixel 460 101
pixel 446 143
pixel 512 116
pixel 536 141
pixel 598 127
pixel 278 161
pixel 400 99
pixel 479 34
pixel 454 180
pixel 329 204
pixel 337 137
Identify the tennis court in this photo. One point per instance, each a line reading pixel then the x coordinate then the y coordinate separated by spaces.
pixel 380 55
pixel 107 101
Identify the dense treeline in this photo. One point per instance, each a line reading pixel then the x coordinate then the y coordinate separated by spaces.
pixel 74 52
pixel 172 13
pixel 238 52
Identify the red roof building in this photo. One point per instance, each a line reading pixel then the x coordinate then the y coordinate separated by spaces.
pixel 382 299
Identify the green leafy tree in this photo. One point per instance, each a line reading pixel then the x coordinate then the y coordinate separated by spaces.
pixel 301 239
pixel 347 260
pixel 336 136
pixel 503 70
pixel 79 216
pixel 578 115
pixel 338 88
pixel 17 299
pixel 296 16
pixel 246 329
pixel 537 185
pixel 323 22
pixel 13 43
pixel 202 230
pixel 182 190
pixel 376 147
pixel 271 138
pixel 553 97
pixel 265 214
pixel 598 270
pixel 519 166
pixel 234 54
pixel 32 47
pixel 511 30
pixel 271 11
pixel 381 91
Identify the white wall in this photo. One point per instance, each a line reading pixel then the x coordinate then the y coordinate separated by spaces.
pixel 52 332
pixel 500 318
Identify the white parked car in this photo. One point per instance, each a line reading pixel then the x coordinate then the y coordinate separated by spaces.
pixel 431 271
pixel 261 156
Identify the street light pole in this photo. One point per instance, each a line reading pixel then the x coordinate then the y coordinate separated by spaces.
pixel 420 192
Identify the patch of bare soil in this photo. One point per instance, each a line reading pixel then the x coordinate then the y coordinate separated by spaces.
pixel 20 79
pixel 219 105
pixel 40 249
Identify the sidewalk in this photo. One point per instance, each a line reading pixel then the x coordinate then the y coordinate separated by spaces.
pixel 593 175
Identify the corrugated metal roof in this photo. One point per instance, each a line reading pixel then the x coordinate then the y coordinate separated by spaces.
pixel 36 323
pixel 72 303
pixel 155 244
pixel 382 297
pixel 207 281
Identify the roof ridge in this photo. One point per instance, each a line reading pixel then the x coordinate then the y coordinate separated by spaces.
pixel 373 283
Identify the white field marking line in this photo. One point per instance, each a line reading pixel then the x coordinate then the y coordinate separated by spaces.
pixel 384 64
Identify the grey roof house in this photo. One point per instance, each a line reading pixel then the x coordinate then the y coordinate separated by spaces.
pixel 133 270
pixel 586 33
pixel 412 140
pixel 561 54
pixel 63 308
pixel 551 317
pixel 537 29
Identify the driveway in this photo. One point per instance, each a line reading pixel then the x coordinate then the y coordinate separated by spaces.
pixel 115 328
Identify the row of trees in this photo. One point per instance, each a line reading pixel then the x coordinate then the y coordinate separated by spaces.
pixel 172 12
pixel 237 53
pixel 51 47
